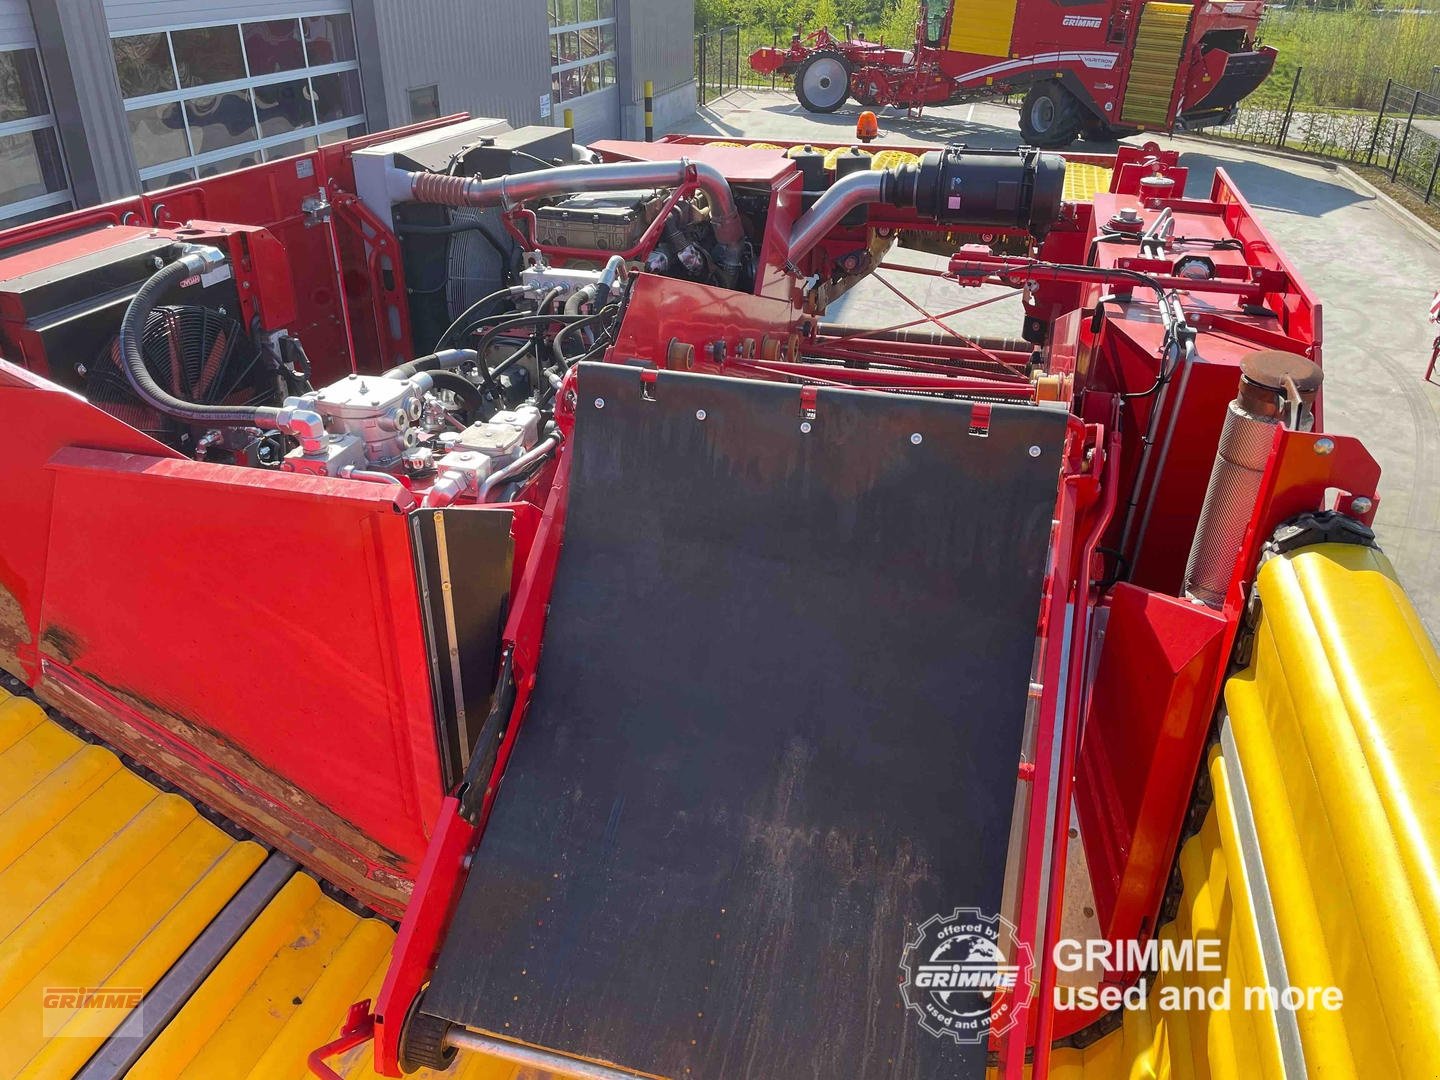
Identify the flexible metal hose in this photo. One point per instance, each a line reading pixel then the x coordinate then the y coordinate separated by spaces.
pixel 132 356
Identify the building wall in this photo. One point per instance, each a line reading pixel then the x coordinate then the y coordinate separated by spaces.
pixel 488 57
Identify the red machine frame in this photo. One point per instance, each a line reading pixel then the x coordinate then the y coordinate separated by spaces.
pixel 79 458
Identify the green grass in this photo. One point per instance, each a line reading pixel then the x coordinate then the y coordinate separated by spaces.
pixel 1347 55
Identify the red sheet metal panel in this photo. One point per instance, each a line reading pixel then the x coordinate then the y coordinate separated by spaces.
pixel 1149 714
pixel 255 637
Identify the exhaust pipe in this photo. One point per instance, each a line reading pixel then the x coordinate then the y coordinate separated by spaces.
pixel 516 188
pixel 1276 389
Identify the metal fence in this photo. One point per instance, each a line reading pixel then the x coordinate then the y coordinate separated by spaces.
pixel 718 63
pixel 1388 125
pixel 722 62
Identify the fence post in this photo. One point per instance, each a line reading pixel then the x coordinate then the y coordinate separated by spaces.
pixel 722 61
pixel 701 40
pixel 649 111
pixel 774 43
pixel 1379 122
pixel 1290 108
pixel 1395 171
pixel 737 57
pixel 1434 172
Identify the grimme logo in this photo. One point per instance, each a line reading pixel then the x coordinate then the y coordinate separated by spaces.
pixel 88 1012
pixel 965 975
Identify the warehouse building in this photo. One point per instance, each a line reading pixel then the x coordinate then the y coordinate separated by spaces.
pixel 103 98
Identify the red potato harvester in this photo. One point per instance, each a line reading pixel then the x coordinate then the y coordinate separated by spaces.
pixel 1098 69
pixel 469 578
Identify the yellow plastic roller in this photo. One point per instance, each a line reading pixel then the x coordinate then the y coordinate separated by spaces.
pixel 890 159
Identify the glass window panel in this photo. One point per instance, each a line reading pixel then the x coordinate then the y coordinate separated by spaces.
pixel 220 120
pixel 569 11
pixel 273 46
pixel 570 46
pixel 589 11
pixel 22 90
pixel 36 215
pixel 30 165
pixel 290 149
pixel 230 164
pixel 354 131
pixel 337 95
pixel 607 73
pixel 569 84
pixel 557 92
pixel 589 78
pixel 179 176
pixel 284 106
pixel 553 10
pixel 607 39
pixel 142 61
pixel 425 103
pixel 329 39
pixel 589 43
pixel 607 9
pixel 209 54
pixel 158 134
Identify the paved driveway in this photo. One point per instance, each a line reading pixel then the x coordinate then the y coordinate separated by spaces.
pixel 1375 275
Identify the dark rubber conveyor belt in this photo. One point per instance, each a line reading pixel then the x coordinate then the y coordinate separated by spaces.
pixel 776 726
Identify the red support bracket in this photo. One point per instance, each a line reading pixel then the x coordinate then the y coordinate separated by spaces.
pixel 359 1029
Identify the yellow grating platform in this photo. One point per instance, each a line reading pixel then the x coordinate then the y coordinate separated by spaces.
pixel 1156 64
pixel 1083 182
pixel 105 881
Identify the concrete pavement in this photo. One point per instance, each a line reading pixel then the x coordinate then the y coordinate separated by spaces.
pixel 1374 274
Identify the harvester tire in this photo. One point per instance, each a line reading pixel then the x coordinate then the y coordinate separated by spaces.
pixel 422 1042
pixel 822 82
pixel 1050 117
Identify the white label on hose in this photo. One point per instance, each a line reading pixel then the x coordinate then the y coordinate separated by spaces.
pixel 220 273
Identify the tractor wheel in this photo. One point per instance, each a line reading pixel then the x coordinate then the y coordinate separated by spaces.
pixel 823 82
pixel 422 1042
pixel 1050 116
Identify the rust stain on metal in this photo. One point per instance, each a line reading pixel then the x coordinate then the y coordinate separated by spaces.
pixel 60 643
pixel 242 788
pixel 14 631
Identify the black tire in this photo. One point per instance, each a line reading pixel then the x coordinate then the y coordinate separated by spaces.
pixel 1050 117
pixel 422 1043
pixel 822 82
pixel 1100 132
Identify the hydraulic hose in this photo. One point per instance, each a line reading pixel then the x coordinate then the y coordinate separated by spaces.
pixel 195 260
pixel 508 291
pixel 444 359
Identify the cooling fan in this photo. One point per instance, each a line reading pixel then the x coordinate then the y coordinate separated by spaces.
pixel 196 354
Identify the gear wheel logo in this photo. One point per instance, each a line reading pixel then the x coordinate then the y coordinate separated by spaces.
pixel 966 975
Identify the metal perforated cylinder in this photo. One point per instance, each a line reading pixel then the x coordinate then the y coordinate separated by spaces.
pixel 1275 387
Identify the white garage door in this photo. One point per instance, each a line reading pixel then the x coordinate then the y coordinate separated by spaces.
pixel 32 172
pixel 210 87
